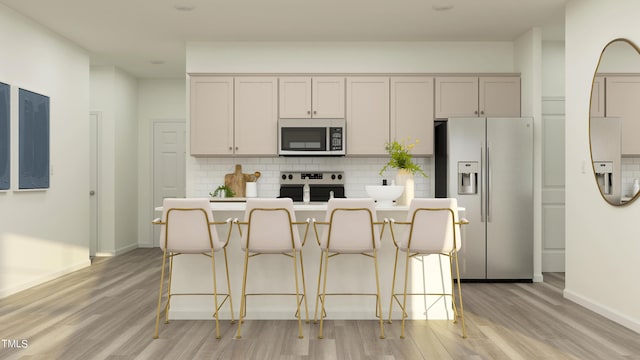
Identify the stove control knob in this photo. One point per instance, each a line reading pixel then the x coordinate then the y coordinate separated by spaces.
pixel 290 177
pixel 333 176
pixel 339 176
pixel 284 177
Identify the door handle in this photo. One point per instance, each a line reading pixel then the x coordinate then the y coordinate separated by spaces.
pixel 482 177
pixel 92 192
pixel 488 184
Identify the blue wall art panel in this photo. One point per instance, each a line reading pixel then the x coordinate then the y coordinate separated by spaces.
pixel 5 149
pixel 33 140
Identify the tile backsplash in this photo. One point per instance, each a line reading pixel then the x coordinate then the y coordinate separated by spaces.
pixel 206 174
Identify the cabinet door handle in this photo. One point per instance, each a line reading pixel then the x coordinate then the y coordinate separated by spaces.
pixel 314 112
pixel 482 112
pixel 230 148
pixel 308 112
pixel 476 112
pixel 236 148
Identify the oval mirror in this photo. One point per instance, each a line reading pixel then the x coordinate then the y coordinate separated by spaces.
pixel 614 122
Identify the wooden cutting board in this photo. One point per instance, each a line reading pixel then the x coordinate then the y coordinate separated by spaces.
pixel 236 181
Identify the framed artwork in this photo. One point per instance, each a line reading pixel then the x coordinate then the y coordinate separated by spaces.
pixel 33 140
pixel 5 136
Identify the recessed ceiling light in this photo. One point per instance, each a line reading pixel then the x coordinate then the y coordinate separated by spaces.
pixel 184 7
pixel 442 7
pixel 156 62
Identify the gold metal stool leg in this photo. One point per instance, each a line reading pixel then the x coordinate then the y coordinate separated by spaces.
pixel 164 260
pixel 393 285
pixel 379 304
pixel 244 289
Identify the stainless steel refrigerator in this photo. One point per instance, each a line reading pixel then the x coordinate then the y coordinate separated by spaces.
pixel 490 172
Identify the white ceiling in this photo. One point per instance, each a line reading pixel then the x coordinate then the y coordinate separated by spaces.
pixel 131 34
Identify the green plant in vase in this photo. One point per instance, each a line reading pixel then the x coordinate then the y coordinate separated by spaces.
pixel 223 191
pixel 400 157
pixel 402 160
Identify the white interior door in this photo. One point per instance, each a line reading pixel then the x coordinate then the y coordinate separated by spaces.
pixel 553 185
pixel 169 155
pixel 94 194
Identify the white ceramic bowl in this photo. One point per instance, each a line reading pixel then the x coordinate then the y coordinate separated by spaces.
pixel 384 195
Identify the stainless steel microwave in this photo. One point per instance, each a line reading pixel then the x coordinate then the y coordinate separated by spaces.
pixel 311 137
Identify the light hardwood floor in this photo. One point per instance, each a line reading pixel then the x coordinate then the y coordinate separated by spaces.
pixel 107 312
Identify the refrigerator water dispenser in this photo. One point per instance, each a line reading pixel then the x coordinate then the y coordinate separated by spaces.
pixel 467 177
pixel 604 175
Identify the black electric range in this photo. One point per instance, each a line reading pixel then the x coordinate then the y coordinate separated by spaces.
pixel 322 184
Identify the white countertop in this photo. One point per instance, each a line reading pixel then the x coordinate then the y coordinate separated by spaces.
pixel 239 205
pixel 313 206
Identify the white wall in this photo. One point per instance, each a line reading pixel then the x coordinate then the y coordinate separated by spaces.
pixel 38 240
pixel 349 57
pixel 603 244
pixel 158 100
pixel 553 69
pixel 114 95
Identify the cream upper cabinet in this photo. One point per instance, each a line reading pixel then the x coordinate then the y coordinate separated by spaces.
pixel 465 96
pixel 597 97
pixel 499 96
pixel 256 116
pixel 456 96
pixel 312 97
pixel 622 94
pixel 367 115
pixel 233 116
pixel 211 115
pixel 412 112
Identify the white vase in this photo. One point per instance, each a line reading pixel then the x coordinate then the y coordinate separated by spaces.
pixel 405 178
pixel 251 189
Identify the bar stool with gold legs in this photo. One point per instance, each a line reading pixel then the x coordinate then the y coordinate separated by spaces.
pixel 351 228
pixel 433 229
pixel 188 228
pixel 269 229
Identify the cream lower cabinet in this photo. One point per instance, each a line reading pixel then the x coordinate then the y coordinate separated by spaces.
pixel 469 96
pixel 233 116
pixel 412 112
pixel 622 94
pixel 367 115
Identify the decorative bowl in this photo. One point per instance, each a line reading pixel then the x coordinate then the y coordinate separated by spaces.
pixel 384 194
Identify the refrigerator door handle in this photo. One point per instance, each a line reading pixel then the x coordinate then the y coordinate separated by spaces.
pixel 482 194
pixel 488 183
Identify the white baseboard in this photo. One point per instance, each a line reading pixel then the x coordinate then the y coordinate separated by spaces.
pixel 42 279
pixel 117 252
pixel 105 253
pixel 126 249
pixel 611 314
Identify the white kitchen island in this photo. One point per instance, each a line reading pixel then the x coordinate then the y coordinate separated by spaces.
pixel 273 273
